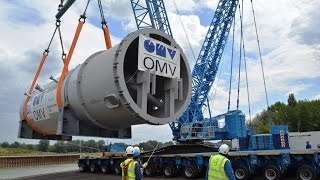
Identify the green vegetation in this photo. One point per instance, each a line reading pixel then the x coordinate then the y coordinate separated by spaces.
pixel 300 116
pixel 20 152
pixel 87 148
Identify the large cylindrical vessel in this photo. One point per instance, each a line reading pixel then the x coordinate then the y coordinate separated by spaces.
pixel 144 79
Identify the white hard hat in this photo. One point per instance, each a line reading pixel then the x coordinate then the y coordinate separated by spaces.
pixel 129 150
pixel 224 149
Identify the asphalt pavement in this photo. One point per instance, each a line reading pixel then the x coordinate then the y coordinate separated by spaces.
pixel 76 175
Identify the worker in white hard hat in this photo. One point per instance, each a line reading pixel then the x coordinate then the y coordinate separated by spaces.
pixel 219 166
pixel 128 165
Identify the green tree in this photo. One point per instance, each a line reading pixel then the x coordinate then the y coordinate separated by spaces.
pixel 30 146
pixel 43 145
pixel 101 145
pixel 300 115
pixel 5 145
pixel 150 145
pixel 58 147
pixel 72 146
pixel 15 145
pixel 292 100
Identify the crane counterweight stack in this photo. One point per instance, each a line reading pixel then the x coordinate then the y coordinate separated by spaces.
pixel 131 83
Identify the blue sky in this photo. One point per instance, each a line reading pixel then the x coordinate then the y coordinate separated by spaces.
pixel 288 31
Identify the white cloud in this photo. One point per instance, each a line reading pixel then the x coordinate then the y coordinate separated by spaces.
pixel 317 97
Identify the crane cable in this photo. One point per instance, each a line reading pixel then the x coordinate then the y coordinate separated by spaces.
pixel 231 68
pixel 184 30
pixel 261 64
pixel 245 64
pixel 35 78
pixel 104 27
pixel 68 59
pixel 239 68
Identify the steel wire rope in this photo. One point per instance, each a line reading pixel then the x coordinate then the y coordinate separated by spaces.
pixel 231 68
pixel 187 37
pixel 239 68
pixel 103 20
pixel 63 56
pixel 184 30
pixel 104 27
pixel 245 65
pixel 217 85
pixel 85 10
pixel 261 64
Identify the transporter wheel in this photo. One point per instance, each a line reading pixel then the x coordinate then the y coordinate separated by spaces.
pixel 106 169
pixel 242 172
pixel 117 169
pixel 82 167
pixel 170 171
pixel 191 171
pixel 93 168
pixel 306 172
pixel 150 170
pixel 272 172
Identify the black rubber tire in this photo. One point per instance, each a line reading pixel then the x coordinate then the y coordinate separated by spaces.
pixel 191 171
pixel 105 169
pixel 306 172
pixel 271 172
pixel 82 167
pixel 242 172
pixel 170 171
pixel 150 170
pixel 93 168
pixel 117 169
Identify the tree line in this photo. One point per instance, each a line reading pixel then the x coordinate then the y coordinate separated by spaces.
pixel 89 146
pixel 300 116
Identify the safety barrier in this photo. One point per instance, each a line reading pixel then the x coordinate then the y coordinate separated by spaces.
pixel 16 161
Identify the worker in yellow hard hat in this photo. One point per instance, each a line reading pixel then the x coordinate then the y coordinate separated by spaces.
pixel 128 165
pixel 220 166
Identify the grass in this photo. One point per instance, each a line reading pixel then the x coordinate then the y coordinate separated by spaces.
pixel 27 152
pixel 21 152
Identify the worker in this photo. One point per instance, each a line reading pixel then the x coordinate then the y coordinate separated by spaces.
pixel 220 166
pixel 308 145
pixel 136 154
pixel 128 166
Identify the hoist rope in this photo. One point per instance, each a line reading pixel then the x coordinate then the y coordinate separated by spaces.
pixel 85 10
pixel 261 64
pixel 103 20
pixel 54 33
pixel 105 27
pixel 231 68
pixel 239 69
pixel 63 56
pixel 217 86
pixel 245 66
pixel 184 30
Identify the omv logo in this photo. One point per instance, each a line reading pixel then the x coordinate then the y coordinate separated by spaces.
pixel 158 49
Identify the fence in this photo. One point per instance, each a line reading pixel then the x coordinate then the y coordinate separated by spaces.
pixel 16 161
